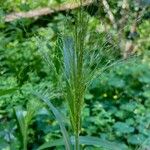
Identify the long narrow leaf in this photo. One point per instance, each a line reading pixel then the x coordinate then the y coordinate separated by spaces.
pixel 7 91
pixel 22 125
pixel 87 140
pixel 94 141
pixel 58 117
pixel 55 143
pixel 21 119
pixel 24 119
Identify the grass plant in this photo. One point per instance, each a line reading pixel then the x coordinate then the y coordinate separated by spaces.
pixel 79 65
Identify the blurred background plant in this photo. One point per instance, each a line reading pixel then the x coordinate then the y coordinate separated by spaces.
pixel 116 103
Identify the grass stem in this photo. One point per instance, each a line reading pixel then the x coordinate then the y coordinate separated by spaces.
pixel 77 145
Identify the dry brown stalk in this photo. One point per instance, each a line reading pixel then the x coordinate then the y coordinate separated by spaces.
pixel 44 11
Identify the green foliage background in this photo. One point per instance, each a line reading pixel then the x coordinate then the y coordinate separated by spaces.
pixel 117 104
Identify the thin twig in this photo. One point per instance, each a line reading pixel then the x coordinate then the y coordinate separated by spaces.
pixel 109 12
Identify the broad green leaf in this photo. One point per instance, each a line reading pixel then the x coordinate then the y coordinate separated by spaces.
pixel 130 106
pixel 146 93
pixel 145 78
pixel 145 144
pixel 116 82
pixel 87 140
pixel 58 117
pixel 136 139
pixel 122 127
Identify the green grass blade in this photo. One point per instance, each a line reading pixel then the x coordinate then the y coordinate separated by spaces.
pixel 20 119
pixel 58 142
pixel 87 140
pixel 24 119
pixel 22 125
pixel 94 141
pixel 7 91
pixel 58 117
